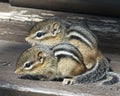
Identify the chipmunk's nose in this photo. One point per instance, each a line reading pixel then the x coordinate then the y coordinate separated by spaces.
pixel 27 38
pixel 17 71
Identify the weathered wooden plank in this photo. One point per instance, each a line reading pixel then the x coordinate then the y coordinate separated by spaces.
pixel 16 22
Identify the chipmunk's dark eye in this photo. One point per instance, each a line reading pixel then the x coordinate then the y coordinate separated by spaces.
pixel 27 65
pixel 54 29
pixel 39 34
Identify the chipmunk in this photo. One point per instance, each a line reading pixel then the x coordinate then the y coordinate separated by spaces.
pixel 61 61
pixel 52 32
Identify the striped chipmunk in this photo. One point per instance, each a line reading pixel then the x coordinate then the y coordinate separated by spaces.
pixel 61 61
pixel 52 32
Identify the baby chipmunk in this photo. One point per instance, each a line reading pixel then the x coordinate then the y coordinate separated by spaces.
pixel 52 32
pixel 61 61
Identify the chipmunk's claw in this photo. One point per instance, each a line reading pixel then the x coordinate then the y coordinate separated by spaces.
pixel 68 81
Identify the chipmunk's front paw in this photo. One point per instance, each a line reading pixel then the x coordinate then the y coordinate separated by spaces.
pixel 68 81
pixel 33 77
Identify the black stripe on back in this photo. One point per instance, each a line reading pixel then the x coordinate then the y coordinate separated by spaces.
pixel 88 29
pixel 70 51
pixel 78 38
pixel 65 56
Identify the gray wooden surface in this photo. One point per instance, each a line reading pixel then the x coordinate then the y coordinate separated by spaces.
pixel 16 22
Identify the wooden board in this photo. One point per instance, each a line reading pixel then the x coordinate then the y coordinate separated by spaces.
pixel 16 22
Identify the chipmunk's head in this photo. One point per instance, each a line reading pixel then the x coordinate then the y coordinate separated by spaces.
pixel 44 30
pixel 36 62
pixel 30 62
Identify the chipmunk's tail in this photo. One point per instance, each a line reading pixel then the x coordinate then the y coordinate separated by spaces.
pixel 98 72
pixel 112 78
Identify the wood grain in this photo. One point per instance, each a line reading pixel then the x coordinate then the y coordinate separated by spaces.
pixel 16 22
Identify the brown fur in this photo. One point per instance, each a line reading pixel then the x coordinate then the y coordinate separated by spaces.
pixel 50 67
pixel 69 68
pixel 89 55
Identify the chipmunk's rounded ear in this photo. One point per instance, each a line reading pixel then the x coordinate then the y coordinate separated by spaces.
pixel 40 56
pixel 56 28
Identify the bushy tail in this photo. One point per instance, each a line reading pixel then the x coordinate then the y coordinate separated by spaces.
pixel 98 72
pixel 114 78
